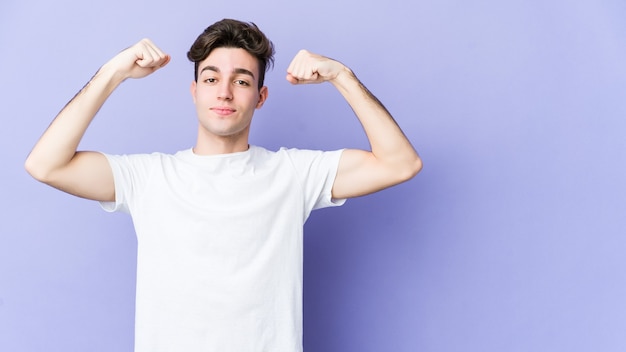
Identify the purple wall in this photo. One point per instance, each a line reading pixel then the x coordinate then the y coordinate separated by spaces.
pixel 511 239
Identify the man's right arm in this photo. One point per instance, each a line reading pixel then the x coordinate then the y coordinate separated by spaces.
pixel 55 161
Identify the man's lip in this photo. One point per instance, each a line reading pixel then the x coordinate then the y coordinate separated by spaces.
pixel 223 110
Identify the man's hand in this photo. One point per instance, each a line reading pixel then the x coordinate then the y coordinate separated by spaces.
pixel 139 60
pixel 307 67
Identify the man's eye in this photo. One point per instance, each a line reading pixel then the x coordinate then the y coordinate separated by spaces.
pixel 241 82
pixel 210 80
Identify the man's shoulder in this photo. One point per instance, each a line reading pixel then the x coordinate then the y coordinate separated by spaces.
pixel 298 158
pixel 284 153
pixel 290 150
pixel 303 152
pixel 145 158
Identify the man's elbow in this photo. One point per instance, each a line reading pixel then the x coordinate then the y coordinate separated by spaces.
pixel 37 171
pixel 411 169
pixel 32 170
pixel 407 170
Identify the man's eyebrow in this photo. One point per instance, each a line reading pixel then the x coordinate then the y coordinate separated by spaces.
pixel 242 71
pixel 209 68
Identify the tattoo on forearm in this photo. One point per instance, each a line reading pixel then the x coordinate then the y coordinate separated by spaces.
pixel 80 91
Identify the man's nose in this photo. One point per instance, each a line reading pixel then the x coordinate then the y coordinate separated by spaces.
pixel 225 91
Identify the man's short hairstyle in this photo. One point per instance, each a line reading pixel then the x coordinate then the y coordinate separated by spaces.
pixel 230 33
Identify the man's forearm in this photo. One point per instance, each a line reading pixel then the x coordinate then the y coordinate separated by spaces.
pixel 57 146
pixel 387 141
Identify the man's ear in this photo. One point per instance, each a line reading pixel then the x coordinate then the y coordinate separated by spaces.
pixel 263 93
pixel 192 89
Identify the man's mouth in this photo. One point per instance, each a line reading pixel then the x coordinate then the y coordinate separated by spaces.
pixel 222 110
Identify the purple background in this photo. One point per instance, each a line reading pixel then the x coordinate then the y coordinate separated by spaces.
pixel 511 239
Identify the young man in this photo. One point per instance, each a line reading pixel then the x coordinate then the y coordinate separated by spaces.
pixel 219 226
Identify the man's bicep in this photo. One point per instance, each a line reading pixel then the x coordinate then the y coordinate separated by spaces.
pixel 88 175
pixel 359 173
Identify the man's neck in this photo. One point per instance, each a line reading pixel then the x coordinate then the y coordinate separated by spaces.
pixel 220 145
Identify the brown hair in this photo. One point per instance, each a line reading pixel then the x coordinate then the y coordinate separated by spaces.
pixel 231 33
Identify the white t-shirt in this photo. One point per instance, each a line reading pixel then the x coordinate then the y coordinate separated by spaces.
pixel 219 265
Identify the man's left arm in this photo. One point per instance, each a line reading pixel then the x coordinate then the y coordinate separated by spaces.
pixel 392 159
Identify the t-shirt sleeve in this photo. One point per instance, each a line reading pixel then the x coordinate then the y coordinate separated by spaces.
pixel 129 174
pixel 317 171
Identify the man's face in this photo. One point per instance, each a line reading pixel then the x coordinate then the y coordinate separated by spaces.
pixel 226 93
